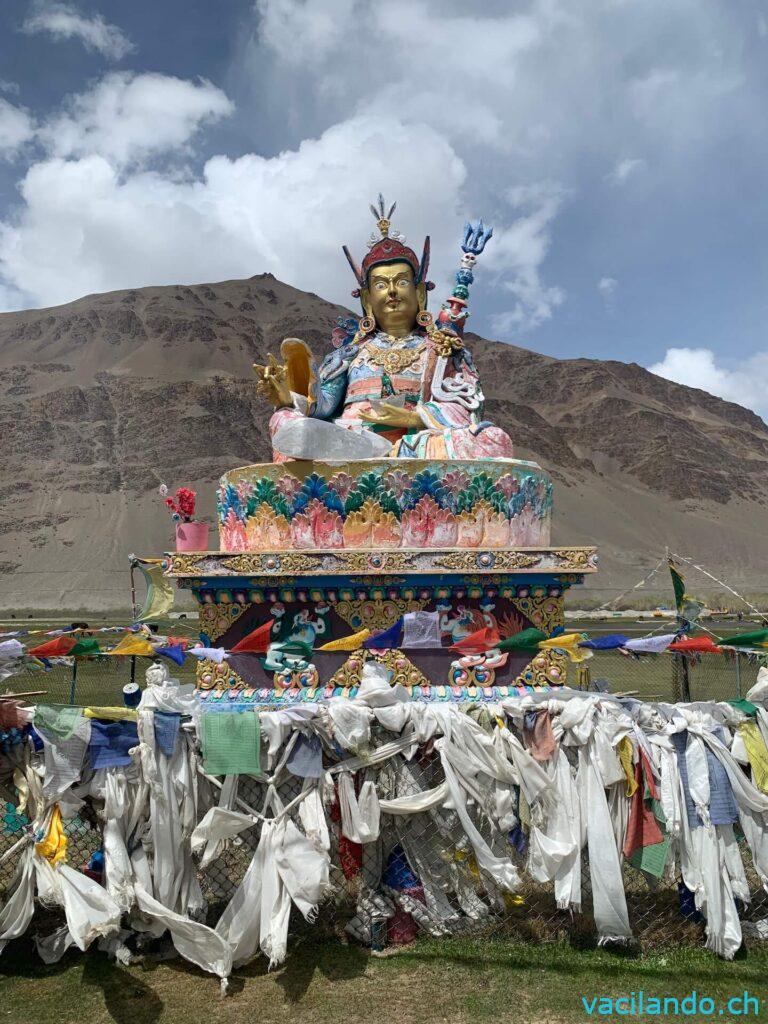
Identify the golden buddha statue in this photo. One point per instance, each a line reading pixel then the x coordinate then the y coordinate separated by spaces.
pixel 398 384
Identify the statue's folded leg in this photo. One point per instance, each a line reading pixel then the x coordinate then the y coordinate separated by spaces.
pixel 295 436
pixel 278 419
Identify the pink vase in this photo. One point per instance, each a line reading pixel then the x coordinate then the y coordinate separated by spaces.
pixel 192 536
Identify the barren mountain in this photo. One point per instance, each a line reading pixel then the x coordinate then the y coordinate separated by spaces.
pixel 103 399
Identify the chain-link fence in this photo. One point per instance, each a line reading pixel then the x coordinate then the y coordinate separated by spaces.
pixel 662 677
pixel 446 894
pixel 449 898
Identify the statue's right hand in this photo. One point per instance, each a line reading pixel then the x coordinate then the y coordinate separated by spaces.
pixel 272 383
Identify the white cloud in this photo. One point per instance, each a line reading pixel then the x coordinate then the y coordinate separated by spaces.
pixel 129 117
pixel 538 90
pixel 11 88
pixel 87 227
pixel 517 253
pixel 462 113
pixel 97 215
pixel 699 368
pixel 65 21
pixel 16 128
pixel 624 169
pixel 607 286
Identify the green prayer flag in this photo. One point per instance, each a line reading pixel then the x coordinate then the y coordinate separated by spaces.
pixel 231 743
pixel 745 706
pixel 296 648
pixel 84 647
pixel 678 585
pixel 527 640
pixel 651 860
pixel 61 722
pixel 688 608
pixel 757 638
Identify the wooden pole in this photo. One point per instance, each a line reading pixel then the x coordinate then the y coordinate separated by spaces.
pixel 133 616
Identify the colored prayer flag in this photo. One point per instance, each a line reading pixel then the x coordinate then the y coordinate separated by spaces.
pixel 58 648
pixel 347 643
pixel 217 654
pixel 174 652
pixel 133 645
pixel 650 644
pixel 421 630
pixel 159 599
pixel 478 642
pixel 257 642
pixel 388 638
pixel 695 645
pixel 755 638
pixel 84 647
pixel 605 643
pixel 678 585
pixel 231 743
pixel 569 643
pixel 526 640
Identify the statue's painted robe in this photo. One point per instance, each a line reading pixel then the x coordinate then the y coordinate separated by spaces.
pixel 444 391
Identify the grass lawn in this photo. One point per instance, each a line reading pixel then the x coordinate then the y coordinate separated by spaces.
pixel 447 980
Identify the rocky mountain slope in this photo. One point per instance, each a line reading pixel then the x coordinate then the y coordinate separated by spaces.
pixel 104 398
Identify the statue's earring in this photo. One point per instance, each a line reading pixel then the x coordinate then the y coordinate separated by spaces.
pixel 425 319
pixel 366 325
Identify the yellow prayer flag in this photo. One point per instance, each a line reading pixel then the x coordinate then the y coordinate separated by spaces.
pixel 568 642
pixel 159 599
pixel 626 753
pixel 54 846
pixel 112 714
pixel 133 644
pixel 347 643
pixel 756 752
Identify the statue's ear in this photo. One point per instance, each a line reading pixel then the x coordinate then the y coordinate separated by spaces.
pixel 421 293
pixel 365 300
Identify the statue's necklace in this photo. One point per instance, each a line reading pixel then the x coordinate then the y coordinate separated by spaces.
pixel 393 360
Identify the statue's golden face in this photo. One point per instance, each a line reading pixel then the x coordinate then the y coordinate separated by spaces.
pixel 392 298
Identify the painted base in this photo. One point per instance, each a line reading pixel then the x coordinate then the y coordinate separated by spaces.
pixel 385 504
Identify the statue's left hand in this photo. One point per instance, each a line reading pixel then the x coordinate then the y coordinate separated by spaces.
pixel 389 415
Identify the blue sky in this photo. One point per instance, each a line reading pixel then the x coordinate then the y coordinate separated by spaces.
pixel 618 146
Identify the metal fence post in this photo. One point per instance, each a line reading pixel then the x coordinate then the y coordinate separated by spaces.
pixel 73 686
pixel 681 680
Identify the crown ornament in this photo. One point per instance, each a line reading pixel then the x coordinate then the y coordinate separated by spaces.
pixel 388 247
pixel 383 223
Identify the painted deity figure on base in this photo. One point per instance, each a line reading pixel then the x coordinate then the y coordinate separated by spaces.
pixel 398 383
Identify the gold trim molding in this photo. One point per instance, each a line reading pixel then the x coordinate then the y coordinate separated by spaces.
pixel 342 561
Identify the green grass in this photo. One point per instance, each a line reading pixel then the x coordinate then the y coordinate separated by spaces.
pixel 432 981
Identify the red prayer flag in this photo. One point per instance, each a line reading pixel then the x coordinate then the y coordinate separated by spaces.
pixel 696 645
pixel 642 827
pixel 59 647
pixel 256 642
pixel 477 643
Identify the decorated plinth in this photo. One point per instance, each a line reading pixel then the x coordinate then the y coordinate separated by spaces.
pixel 375 504
pixel 391 503
pixel 324 551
